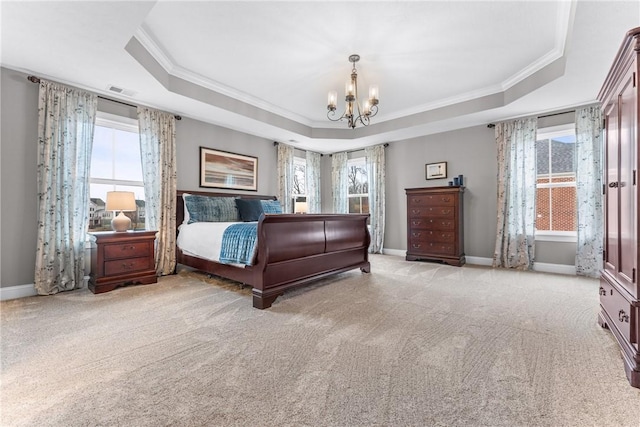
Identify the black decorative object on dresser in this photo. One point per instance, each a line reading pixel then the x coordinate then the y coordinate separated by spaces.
pixel 435 224
pixel 120 258
pixel 619 289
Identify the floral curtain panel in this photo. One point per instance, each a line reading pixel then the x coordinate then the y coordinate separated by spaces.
pixel 285 176
pixel 312 178
pixel 158 152
pixel 66 119
pixel 516 146
pixel 590 218
pixel 376 173
pixel 340 182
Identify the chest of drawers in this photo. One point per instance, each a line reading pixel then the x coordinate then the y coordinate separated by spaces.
pixel 119 258
pixel 435 224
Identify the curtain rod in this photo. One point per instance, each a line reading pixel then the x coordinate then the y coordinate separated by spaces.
pixel 492 125
pixel 275 144
pixel 385 145
pixel 35 79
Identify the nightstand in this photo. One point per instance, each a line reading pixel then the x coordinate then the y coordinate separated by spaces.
pixel 120 258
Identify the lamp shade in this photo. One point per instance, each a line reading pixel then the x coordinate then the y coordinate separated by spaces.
pixel 300 207
pixel 121 201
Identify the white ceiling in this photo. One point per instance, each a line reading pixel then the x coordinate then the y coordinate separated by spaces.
pixel 265 68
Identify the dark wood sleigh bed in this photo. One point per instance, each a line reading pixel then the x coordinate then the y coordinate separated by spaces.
pixel 293 250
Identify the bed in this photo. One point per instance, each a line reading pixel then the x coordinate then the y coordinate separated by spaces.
pixel 291 250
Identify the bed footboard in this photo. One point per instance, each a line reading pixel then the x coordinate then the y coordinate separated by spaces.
pixel 294 250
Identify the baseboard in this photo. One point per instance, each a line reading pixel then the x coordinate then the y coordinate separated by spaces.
pixel 22 291
pixel 19 291
pixel 543 267
pixel 478 260
pixel 395 252
pixel 546 267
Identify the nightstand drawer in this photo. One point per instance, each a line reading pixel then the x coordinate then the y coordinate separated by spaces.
pixel 129 265
pixel 127 250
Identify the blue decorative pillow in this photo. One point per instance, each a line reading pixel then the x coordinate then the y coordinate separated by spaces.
pixel 271 206
pixel 210 209
pixel 250 209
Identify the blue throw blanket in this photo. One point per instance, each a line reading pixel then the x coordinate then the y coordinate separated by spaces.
pixel 239 243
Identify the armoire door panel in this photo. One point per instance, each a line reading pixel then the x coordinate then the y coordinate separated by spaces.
pixel 627 189
pixel 611 241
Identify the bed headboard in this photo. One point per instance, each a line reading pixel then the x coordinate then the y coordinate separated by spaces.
pixel 180 202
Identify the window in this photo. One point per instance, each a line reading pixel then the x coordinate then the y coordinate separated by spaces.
pixel 299 190
pixel 358 186
pixel 556 184
pixel 115 166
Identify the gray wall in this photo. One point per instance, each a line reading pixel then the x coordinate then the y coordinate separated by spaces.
pixel 470 152
pixel 18 149
pixel 18 153
pixel 193 134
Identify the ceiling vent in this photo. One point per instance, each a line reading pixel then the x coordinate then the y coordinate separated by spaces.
pixel 120 91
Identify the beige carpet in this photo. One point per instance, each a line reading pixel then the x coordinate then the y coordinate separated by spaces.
pixel 411 344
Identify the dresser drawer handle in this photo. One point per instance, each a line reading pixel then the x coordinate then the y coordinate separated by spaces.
pixel 416 245
pixel 415 211
pixel 623 317
pixel 416 222
pixel 603 292
pixel 416 233
pixel 127 266
pixel 128 248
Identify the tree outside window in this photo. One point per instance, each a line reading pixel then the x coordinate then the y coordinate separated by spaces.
pixel 299 188
pixel 358 186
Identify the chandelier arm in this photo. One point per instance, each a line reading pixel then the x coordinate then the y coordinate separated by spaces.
pixel 333 114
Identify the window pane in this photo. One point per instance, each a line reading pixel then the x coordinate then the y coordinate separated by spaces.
pixel 100 219
pixel 563 154
pixel 299 177
pixel 542 160
pixel 358 181
pixel 543 209
pixel 563 206
pixel 128 166
pixel 102 153
pixel 354 205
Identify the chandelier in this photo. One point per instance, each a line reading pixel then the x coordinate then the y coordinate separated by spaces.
pixel 352 111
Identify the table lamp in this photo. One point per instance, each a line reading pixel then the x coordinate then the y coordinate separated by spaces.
pixel 300 207
pixel 120 201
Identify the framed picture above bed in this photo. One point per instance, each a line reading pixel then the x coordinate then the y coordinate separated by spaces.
pixel 221 169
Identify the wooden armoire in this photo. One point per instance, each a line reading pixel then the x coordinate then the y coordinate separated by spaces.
pixel 619 289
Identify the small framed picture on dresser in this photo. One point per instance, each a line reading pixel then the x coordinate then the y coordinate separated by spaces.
pixel 436 170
